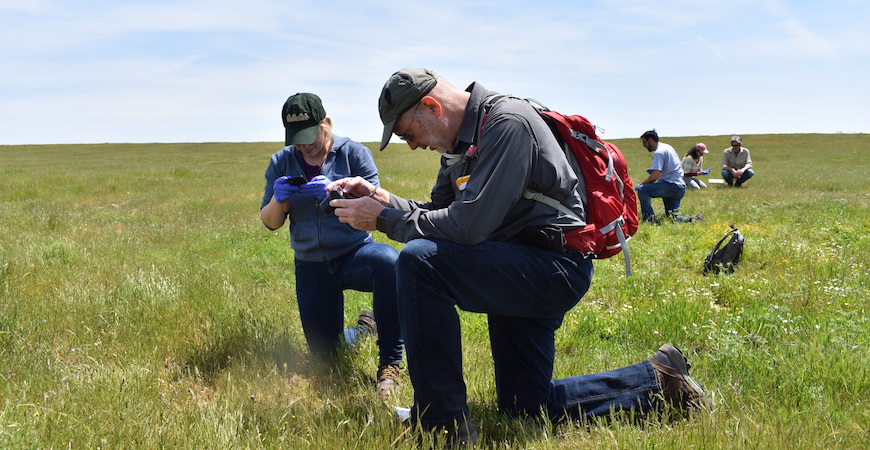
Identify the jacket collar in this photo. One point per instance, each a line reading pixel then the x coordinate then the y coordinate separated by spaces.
pixel 470 122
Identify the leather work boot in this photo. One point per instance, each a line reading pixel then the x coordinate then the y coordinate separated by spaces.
pixel 366 320
pixel 461 435
pixel 464 435
pixel 388 379
pixel 678 388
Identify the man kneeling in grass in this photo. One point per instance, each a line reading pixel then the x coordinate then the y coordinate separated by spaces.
pixel 480 245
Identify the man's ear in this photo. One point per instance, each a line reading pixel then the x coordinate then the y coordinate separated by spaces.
pixel 432 104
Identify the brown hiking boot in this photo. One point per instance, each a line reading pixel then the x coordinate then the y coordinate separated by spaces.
pixel 678 388
pixel 388 379
pixel 366 320
pixel 462 434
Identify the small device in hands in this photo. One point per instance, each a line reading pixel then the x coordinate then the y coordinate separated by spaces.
pixel 297 181
pixel 335 193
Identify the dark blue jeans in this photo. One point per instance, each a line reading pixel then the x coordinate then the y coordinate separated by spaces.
pixel 319 293
pixel 671 195
pixel 586 396
pixel 525 293
pixel 729 177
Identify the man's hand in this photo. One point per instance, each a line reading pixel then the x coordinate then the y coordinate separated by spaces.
pixel 283 189
pixel 356 186
pixel 360 213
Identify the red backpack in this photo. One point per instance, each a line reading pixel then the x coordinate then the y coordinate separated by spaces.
pixel 605 187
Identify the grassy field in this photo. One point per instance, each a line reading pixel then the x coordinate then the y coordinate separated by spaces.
pixel 143 305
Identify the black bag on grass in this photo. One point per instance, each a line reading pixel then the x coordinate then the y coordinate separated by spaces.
pixel 726 254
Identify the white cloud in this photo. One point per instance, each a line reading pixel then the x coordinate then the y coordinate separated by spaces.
pixel 181 71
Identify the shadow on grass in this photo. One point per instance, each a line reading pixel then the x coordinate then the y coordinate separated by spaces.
pixel 244 339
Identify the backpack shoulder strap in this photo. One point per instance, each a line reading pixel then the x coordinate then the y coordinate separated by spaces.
pixel 724 238
pixel 551 202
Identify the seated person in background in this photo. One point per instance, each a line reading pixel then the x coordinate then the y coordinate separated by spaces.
pixel 736 163
pixel 693 165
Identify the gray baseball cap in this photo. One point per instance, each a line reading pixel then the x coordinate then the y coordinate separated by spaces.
pixel 403 90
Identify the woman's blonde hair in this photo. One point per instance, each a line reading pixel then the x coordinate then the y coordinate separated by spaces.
pixel 326 132
pixel 326 125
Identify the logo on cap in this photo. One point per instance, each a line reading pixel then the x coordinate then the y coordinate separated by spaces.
pixel 296 117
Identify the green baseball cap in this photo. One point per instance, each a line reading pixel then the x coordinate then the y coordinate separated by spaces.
pixel 301 115
pixel 403 90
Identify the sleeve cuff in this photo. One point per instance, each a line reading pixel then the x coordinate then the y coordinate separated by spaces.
pixel 381 222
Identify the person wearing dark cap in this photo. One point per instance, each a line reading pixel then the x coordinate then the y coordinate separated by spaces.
pixel 331 256
pixel 736 163
pixel 478 244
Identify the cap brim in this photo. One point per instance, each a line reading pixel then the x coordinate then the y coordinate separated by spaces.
pixel 388 133
pixel 305 136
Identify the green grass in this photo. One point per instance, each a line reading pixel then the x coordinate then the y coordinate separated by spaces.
pixel 143 304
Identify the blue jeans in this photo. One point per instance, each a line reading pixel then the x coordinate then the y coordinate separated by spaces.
pixel 525 292
pixel 319 293
pixel 729 177
pixel 586 396
pixel 671 195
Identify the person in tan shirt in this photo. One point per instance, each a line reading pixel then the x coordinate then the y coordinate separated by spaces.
pixel 736 163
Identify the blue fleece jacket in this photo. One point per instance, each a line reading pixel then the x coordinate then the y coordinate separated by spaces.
pixel 314 234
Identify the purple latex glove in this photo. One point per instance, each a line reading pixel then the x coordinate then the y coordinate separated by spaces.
pixel 316 187
pixel 283 189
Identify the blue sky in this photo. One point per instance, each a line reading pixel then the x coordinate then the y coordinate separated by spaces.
pixel 77 71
